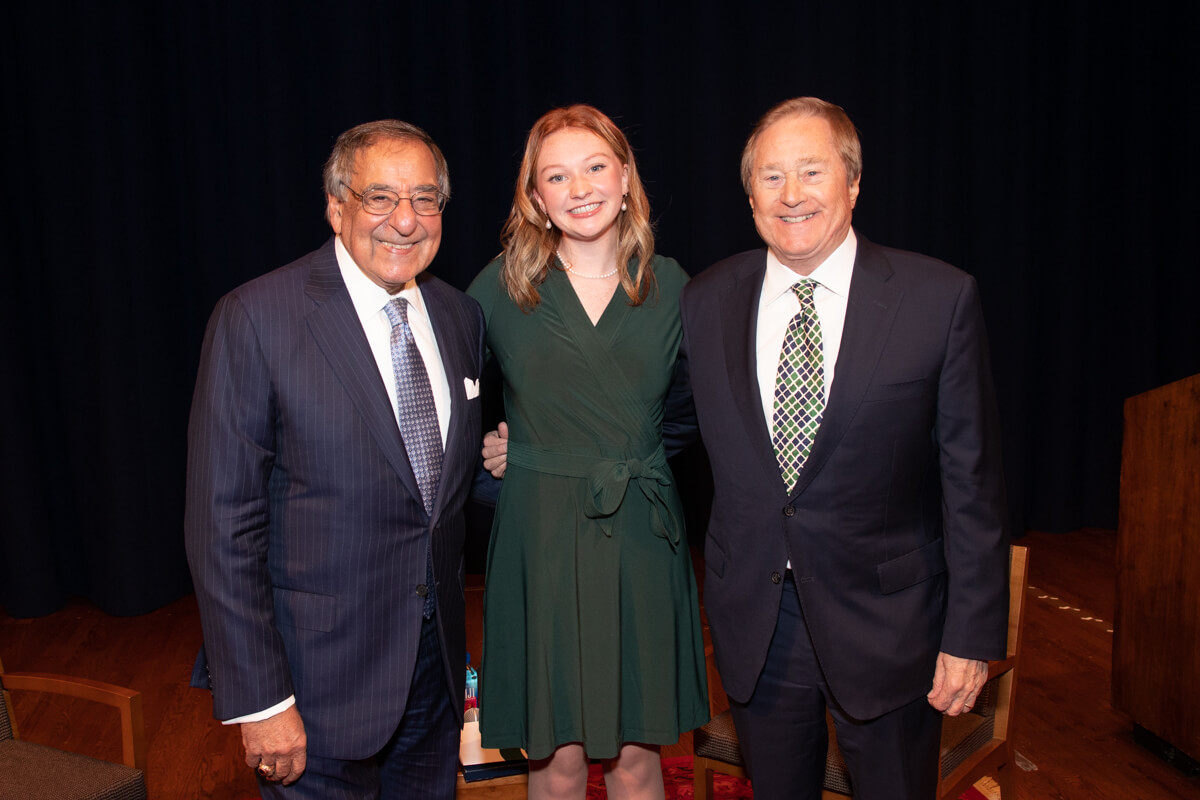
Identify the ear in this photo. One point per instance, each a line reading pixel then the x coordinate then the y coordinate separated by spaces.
pixel 624 179
pixel 541 204
pixel 333 210
pixel 854 192
pixel 750 197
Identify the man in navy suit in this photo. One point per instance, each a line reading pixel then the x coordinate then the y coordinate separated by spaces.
pixel 327 557
pixel 867 575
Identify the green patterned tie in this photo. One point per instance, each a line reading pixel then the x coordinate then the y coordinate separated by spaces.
pixel 799 388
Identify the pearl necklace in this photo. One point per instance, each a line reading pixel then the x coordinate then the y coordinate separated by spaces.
pixel 567 267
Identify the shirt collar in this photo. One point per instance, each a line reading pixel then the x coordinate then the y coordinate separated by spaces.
pixel 833 274
pixel 368 297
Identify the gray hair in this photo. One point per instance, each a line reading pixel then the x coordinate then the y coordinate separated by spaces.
pixel 844 135
pixel 339 169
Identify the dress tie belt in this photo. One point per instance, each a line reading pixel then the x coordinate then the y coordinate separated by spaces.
pixel 607 482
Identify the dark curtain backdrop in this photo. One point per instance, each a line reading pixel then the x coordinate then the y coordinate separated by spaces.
pixel 163 153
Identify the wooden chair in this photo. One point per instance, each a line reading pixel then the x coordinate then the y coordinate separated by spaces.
pixel 975 744
pixel 36 772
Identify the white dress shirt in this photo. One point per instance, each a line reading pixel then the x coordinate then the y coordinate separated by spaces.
pixel 369 299
pixel 778 304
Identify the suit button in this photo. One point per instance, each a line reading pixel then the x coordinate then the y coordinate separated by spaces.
pixel 776 577
pixel 789 511
pixel 422 589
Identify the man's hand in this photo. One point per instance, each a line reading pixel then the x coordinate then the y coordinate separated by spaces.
pixel 277 746
pixel 495 450
pixel 956 684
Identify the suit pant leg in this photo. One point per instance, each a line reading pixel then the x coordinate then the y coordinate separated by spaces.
pixel 328 779
pixel 419 761
pixel 782 729
pixel 895 756
pixel 784 737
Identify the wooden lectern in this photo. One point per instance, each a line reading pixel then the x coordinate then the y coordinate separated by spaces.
pixel 1156 633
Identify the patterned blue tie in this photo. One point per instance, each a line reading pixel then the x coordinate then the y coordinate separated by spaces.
pixel 418 420
pixel 799 388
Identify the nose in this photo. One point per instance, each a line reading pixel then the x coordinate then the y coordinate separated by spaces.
pixel 793 193
pixel 403 218
pixel 581 187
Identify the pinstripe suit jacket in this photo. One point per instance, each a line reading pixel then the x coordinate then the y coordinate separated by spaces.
pixel 305 530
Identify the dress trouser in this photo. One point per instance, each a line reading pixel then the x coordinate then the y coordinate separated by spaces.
pixel 784 738
pixel 419 761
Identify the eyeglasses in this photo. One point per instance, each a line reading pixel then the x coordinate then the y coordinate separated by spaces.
pixel 384 201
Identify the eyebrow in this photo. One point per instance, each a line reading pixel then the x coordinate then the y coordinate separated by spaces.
pixel 425 187
pixel 807 161
pixel 605 156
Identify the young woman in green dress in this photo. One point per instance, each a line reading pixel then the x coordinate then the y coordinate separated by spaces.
pixel 592 644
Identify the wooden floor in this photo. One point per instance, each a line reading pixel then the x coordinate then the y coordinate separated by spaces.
pixel 1077 746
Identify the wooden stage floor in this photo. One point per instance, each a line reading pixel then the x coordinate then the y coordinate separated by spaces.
pixel 1078 746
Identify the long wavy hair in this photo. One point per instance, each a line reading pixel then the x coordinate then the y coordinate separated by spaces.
pixel 529 246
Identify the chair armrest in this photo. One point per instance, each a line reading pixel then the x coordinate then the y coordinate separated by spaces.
pixel 996 668
pixel 127 701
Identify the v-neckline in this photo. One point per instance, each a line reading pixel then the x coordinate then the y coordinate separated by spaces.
pixel 608 307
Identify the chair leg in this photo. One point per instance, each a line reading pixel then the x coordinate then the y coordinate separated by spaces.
pixel 1004 777
pixel 702 779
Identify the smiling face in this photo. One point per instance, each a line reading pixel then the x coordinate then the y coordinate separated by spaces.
pixel 800 194
pixel 580 183
pixel 390 249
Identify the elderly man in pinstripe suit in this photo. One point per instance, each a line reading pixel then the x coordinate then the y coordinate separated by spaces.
pixel 334 432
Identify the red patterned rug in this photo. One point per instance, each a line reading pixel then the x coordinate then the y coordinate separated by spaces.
pixel 677 778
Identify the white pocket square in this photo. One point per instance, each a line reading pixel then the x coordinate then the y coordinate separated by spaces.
pixel 472 387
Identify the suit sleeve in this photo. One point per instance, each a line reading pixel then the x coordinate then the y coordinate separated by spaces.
pixel 231 453
pixel 679 412
pixel 973 495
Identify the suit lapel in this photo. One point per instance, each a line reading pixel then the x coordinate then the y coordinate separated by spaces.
pixel 739 323
pixel 334 325
pixel 870 311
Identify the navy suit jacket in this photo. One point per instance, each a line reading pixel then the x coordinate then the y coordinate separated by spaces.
pixel 896 528
pixel 305 530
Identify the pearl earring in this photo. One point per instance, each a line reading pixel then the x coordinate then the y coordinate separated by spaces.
pixel 548 225
pixel 622 205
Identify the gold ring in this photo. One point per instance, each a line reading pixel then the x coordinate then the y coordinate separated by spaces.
pixel 266 770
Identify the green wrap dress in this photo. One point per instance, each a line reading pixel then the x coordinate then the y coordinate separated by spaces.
pixel 591 622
